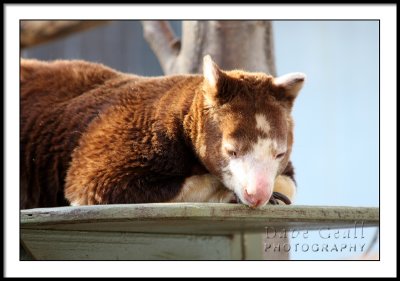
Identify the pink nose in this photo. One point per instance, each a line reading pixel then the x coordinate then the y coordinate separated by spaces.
pixel 257 196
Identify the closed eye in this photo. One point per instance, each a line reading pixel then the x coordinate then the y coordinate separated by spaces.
pixel 231 153
pixel 230 149
pixel 280 155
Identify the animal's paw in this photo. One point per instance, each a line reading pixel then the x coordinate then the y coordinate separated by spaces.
pixel 229 197
pixel 284 190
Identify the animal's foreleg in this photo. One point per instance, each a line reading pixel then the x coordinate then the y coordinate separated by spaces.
pixel 285 183
pixel 204 188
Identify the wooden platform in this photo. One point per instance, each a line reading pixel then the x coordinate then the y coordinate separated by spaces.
pixel 171 231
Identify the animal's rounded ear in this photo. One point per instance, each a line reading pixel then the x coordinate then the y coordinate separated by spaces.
pixel 211 71
pixel 290 84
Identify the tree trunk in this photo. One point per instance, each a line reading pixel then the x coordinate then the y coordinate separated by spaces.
pixel 246 45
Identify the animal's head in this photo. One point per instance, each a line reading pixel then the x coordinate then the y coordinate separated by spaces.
pixel 247 133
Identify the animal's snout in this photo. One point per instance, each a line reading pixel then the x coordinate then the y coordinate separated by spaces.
pixel 258 194
pixel 252 199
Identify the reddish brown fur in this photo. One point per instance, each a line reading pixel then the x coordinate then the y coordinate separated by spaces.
pixel 240 95
pixel 97 136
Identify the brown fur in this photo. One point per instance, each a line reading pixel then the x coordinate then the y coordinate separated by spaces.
pixel 240 95
pixel 92 135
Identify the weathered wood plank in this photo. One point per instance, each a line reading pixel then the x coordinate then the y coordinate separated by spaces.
pixel 253 247
pixel 80 245
pixel 195 218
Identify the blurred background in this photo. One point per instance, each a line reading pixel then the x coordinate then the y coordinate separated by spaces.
pixel 336 150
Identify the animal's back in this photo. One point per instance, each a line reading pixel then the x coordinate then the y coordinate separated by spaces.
pixel 58 101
